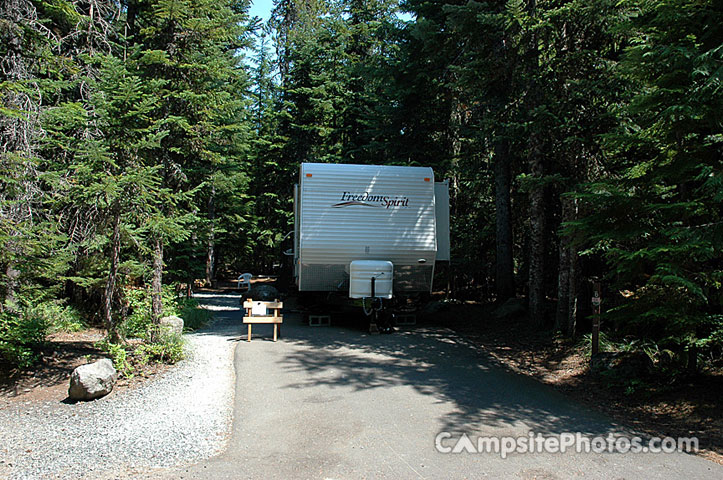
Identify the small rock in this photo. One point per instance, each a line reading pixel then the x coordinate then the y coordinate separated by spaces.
pixel 92 381
pixel 172 324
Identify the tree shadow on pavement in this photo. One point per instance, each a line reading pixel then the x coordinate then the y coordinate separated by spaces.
pixel 437 363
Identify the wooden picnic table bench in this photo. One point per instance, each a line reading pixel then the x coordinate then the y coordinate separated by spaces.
pixel 274 318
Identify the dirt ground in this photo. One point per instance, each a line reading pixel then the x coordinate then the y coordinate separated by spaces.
pixel 659 407
pixel 50 379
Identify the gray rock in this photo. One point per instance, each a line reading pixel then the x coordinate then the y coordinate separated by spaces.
pixel 514 307
pixel 93 380
pixel 172 324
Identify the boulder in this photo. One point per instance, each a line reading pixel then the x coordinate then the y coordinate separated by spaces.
pixel 512 308
pixel 93 380
pixel 172 324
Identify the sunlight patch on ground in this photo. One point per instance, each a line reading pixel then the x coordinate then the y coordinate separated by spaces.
pixel 215 296
pixel 218 308
pixel 210 301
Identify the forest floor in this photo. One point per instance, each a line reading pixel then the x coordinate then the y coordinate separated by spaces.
pixel 685 407
pixel 50 378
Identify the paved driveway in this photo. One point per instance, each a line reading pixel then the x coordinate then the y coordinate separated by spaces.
pixel 335 403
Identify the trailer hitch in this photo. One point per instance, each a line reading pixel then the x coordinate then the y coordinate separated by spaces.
pixel 375 306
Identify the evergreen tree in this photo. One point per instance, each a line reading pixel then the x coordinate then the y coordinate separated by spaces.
pixel 268 203
pixel 193 48
pixel 656 216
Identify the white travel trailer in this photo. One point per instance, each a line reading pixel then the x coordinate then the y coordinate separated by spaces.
pixel 354 223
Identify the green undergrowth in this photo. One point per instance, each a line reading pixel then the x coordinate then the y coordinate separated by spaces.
pixel 149 343
pixel 25 326
pixel 138 302
pixel 133 358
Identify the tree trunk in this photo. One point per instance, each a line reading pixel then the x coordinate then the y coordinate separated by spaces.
pixel 131 13
pixel 572 301
pixel 454 139
pixel 11 302
pixel 157 282
pixel 566 315
pixel 536 282
pixel 536 295
pixel 110 286
pixel 505 281
pixel 12 274
pixel 210 246
pixel 692 365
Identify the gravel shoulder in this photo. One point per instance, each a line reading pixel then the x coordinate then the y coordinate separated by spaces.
pixel 181 417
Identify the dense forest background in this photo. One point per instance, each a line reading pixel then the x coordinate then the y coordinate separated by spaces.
pixel 148 142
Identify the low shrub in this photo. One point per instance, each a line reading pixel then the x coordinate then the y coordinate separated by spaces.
pixel 195 317
pixel 22 334
pixel 59 317
pixel 20 339
pixel 158 344
pixel 608 344
pixel 139 311
pixel 168 348
pixel 119 355
pixel 130 360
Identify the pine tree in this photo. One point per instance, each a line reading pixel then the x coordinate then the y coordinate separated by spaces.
pixel 46 94
pixel 656 216
pixel 192 47
pixel 271 178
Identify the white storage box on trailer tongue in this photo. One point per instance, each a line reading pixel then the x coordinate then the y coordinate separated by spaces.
pixel 361 273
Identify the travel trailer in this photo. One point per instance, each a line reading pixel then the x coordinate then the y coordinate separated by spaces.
pixel 369 231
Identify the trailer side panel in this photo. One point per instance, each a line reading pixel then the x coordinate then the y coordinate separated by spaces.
pixel 365 212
